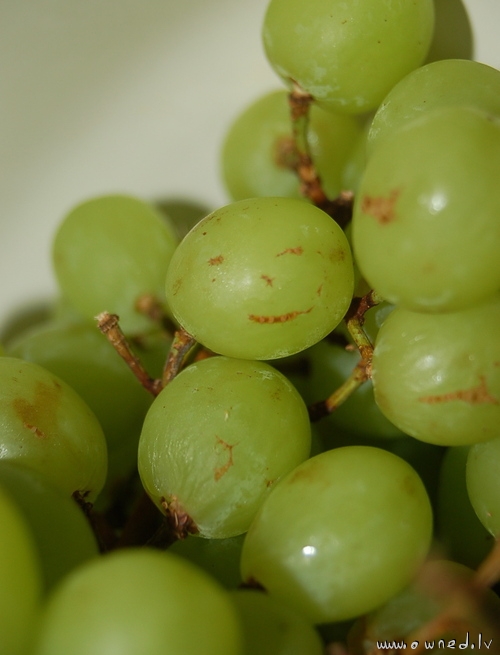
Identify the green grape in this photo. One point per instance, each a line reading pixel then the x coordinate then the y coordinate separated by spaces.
pixel 218 557
pixel 347 55
pixel 425 458
pixel 413 236
pixel 419 604
pixel 341 534
pixel 270 627
pixel 218 437
pixel 138 601
pixel 20 579
pixel 453 37
pixel 435 377
pixel 61 532
pixel 483 483
pixel 110 252
pixel 182 214
pixel 27 316
pixel 458 528
pixel 84 359
pixel 80 355
pixel 354 166
pixel 261 278
pixel 258 156
pixel 445 83
pixel 47 427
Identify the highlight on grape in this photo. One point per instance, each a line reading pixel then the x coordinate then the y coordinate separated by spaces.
pixel 273 429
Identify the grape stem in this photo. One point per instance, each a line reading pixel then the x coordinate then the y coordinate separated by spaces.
pixel 362 372
pixel 340 209
pixel 466 608
pixel 109 325
pixel 488 572
pixel 103 533
pixel 182 345
pixel 354 320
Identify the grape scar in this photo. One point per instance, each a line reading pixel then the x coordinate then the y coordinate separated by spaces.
pixel 283 318
pixel 477 395
pixel 382 209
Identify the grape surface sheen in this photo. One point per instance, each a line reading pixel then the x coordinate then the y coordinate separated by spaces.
pixel 341 534
pixel 218 437
pixel 261 278
pixel 347 55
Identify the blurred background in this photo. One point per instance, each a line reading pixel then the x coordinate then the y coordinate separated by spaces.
pixel 134 97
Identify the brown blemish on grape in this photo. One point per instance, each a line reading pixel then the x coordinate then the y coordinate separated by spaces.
pixel 176 286
pixel 214 261
pixel 282 318
pixel 337 254
pixel 308 473
pixel 291 251
pixel 269 483
pixel 408 485
pixel 222 470
pixel 252 583
pixel 36 431
pixel 478 395
pixel 42 411
pixel 319 290
pixel 268 280
pixel 381 208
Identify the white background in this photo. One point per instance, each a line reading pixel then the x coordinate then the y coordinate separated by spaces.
pixel 134 96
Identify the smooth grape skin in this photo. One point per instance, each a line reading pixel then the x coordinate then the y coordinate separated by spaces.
pixel 341 534
pixel 61 532
pixel 138 602
pixel 261 278
pixel 108 253
pixel 218 437
pixel 458 528
pixel 47 427
pixel 79 354
pixel 347 55
pixel 436 376
pixel 447 83
pixel 483 483
pixel 257 154
pixel 20 579
pixel 271 627
pixel 413 236
pixel 218 557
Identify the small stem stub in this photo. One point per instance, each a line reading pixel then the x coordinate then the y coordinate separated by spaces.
pixel 109 325
pixel 176 525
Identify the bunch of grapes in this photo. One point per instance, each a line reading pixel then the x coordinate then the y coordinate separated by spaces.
pixel 275 430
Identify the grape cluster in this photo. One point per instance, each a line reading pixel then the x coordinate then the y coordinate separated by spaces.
pixel 282 434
